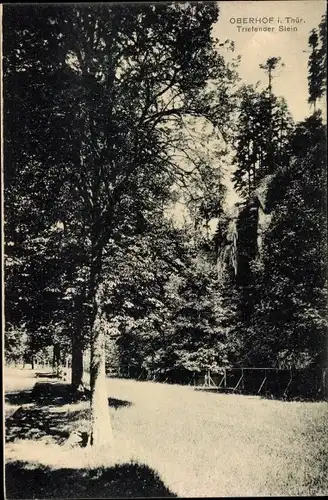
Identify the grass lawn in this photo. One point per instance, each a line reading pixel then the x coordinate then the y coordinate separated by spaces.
pixel 172 440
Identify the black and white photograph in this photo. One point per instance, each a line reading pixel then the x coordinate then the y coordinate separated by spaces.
pixel 165 260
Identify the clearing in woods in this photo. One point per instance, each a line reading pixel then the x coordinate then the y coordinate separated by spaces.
pixel 169 441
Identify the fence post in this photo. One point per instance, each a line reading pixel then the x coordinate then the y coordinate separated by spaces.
pixel 289 382
pixel 325 383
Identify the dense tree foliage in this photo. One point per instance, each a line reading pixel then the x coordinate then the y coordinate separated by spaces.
pixel 123 113
pixel 286 325
pixel 317 78
pixel 16 343
pixel 114 94
pixel 261 142
pixel 279 240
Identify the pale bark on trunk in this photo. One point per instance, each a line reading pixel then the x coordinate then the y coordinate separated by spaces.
pixel 101 429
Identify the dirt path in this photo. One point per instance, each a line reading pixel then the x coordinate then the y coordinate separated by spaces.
pixel 16 380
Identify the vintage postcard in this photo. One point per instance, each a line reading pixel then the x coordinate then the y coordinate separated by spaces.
pixel 165 249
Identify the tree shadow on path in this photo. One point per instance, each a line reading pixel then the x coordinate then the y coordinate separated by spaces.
pixel 121 481
pixel 41 414
pixel 45 394
pixel 40 411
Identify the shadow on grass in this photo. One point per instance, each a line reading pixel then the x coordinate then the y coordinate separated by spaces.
pixel 122 481
pixel 18 398
pixel 55 394
pixel 118 403
pixel 45 375
pixel 286 398
pixel 46 394
pixel 39 413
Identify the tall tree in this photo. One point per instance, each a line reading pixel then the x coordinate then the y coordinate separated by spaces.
pixel 115 86
pixel 270 65
pixel 261 143
pixel 290 324
pixel 317 63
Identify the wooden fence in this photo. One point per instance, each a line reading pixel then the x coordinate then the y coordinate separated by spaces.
pixel 270 382
pixel 282 383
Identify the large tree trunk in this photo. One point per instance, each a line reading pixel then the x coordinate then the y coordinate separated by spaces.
pixel 56 358
pixel 77 361
pixel 101 429
pixel 77 343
